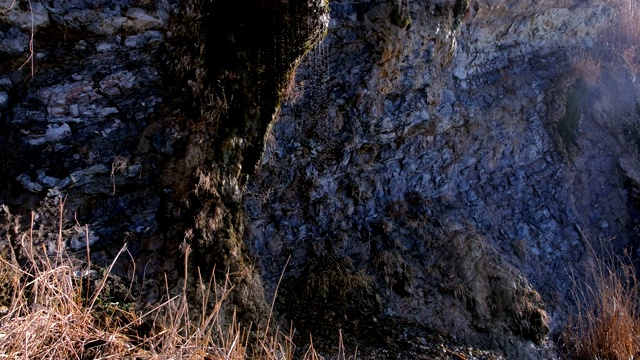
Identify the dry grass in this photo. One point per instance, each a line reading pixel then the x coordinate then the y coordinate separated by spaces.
pixel 627 21
pixel 623 38
pixel 619 47
pixel 585 68
pixel 607 323
pixel 58 312
pixel 49 316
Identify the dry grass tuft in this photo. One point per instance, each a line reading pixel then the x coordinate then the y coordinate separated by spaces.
pixel 48 317
pixel 619 47
pixel 59 311
pixel 623 38
pixel 587 69
pixel 607 324
pixel 627 21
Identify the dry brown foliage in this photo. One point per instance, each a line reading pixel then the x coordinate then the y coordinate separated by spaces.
pixel 607 323
pixel 49 317
pixel 587 69
pixel 618 47
pixel 623 38
pixel 627 20
pixel 58 311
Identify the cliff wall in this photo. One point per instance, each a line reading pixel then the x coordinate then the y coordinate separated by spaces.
pixel 417 172
pixel 428 170
pixel 145 118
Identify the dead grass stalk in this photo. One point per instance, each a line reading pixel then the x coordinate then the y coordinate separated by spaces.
pixel 57 312
pixel 607 322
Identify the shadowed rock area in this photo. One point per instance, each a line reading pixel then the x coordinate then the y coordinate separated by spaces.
pixel 418 171
pixel 147 118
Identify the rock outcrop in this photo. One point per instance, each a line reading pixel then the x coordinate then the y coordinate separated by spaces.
pixel 147 117
pixel 417 174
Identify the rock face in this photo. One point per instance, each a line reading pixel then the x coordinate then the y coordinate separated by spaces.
pixel 416 174
pixel 427 172
pixel 147 116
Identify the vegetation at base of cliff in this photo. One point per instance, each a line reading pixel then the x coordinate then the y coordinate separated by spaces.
pixel 607 323
pixel 56 305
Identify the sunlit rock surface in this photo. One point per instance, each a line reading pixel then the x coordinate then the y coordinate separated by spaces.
pixel 418 169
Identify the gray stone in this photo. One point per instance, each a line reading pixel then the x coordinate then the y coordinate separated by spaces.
pixel 140 20
pixel 82 238
pixel 14 42
pixel 26 182
pixel 51 181
pixel 34 17
pixel 4 99
pixel 475 147
pixel 56 132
